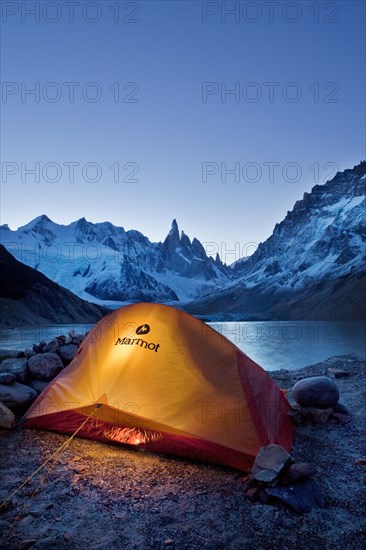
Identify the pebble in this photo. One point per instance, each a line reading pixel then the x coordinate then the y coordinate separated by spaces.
pixel 299 470
pixel 339 373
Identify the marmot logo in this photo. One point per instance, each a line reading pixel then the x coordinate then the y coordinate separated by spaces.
pixel 143 329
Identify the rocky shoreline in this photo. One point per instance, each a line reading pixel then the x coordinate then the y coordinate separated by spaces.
pixel 25 374
pixel 105 496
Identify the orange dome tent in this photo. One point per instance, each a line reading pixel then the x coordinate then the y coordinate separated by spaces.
pixel 155 377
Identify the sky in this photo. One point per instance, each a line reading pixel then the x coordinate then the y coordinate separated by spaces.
pixel 218 114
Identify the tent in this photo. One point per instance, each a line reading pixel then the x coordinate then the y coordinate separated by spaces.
pixel 152 376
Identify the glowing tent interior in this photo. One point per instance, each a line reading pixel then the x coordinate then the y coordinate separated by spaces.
pixel 152 376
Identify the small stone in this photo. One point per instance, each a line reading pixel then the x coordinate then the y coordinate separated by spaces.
pixel 7 378
pixel 168 542
pixel 252 494
pixel 339 373
pixel 263 497
pixel 299 470
pixel 295 416
pixel 318 416
pixel 25 544
pixel 266 476
pixel 340 408
pixel 270 459
pixel 317 391
pixel 360 461
pixel 302 496
pixel 7 417
pixel 45 366
pixel 342 418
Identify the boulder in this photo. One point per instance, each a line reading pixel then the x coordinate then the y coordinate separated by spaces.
pixel 17 397
pixel 7 378
pixel 18 367
pixel 39 385
pixel 301 496
pixel 269 462
pixel 8 354
pixel 7 417
pixel 67 353
pixel 317 391
pixel 77 339
pixel 29 353
pixel 45 366
pixel 52 346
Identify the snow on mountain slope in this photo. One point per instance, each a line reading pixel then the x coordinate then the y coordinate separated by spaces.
pixel 324 236
pixel 110 264
pixel 312 266
pixel 316 255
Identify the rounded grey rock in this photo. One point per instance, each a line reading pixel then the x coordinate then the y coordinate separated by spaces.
pixel 17 397
pixel 45 366
pixel 16 366
pixel 67 352
pixel 317 391
pixel 7 378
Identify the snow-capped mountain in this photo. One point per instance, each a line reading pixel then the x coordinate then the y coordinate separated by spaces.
pixel 322 237
pixel 104 263
pixel 311 267
pixel 313 264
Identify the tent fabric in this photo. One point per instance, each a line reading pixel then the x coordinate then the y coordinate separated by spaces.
pixel 169 383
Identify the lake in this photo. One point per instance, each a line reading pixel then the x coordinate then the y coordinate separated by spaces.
pixel 272 344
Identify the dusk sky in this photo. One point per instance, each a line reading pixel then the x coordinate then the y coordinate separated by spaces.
pixel 144 87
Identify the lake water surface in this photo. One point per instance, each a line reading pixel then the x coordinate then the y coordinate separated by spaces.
pixel 272 344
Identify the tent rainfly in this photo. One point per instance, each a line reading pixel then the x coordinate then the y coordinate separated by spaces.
pixel 151 376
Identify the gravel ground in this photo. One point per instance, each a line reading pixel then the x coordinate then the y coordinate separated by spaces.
pixel 100 496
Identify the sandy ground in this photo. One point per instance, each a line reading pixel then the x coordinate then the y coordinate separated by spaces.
pixel 107 497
